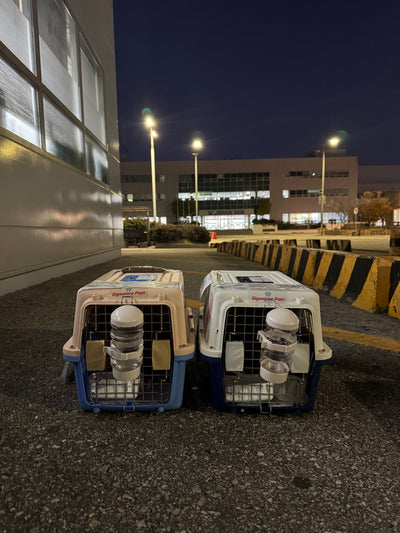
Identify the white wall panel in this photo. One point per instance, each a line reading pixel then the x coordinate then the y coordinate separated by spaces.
pixel 44 192
pixel 32 248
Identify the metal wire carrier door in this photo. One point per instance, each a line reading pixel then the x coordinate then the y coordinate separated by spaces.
pixel 246 387
pixel 153 386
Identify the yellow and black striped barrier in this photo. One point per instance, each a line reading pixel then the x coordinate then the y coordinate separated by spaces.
pixel 394 289
pixel 367 282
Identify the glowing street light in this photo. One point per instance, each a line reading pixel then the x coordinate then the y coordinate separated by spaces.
pixel 333 142
pixel 150 124
pixel 196 145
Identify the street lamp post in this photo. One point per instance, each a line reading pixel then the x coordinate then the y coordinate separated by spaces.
pixel 150 124
pixel 333 142
pixel 197 145
pixel 322 189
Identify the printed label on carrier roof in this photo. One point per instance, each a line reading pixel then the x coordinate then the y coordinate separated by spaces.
pixel 140 277
pixel 253 279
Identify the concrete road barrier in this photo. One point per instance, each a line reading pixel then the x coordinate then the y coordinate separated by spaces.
pixel 394 289
pixel 343 245
pixel 394 244
pixel 367 282
pixel 313 243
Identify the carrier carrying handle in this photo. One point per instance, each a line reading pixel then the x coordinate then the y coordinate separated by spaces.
pixel 149 269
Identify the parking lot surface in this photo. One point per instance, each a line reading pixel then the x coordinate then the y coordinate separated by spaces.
pixel 336 469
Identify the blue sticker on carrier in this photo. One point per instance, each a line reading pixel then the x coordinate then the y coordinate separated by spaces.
pixel 141 277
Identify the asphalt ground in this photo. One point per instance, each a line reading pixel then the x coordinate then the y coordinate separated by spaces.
pixel 336 469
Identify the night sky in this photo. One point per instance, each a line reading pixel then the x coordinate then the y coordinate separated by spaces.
pixel 259 79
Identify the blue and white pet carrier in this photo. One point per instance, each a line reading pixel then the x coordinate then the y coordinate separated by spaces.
pixel 133 335
pixel 260 333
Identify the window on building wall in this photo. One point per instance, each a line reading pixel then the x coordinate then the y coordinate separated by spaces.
pixel 18 104
pixel 229 196
pixel 58 54
pixel 308 218
pixel 317 173
pixel 65 126
pixel 130 178
pixel 129 197
pixel 162 178
pixel 145 196
pixel 247 175
pixel 63 137
pixel 93 95
pixel 285 193
pixel 337 174
pixel 184 196
pixel 96 161
pixel 16 30
pixel 304 193
pixel 336 192
pixel 304 173
pixel 226 183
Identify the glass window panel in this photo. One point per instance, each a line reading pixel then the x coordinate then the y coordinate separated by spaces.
pixel 16 30
pixel 18 105
pixel 63 138
pixel 96 160
pixel 93 95
pixel 184 196
pixel 58 53
pixel 263 194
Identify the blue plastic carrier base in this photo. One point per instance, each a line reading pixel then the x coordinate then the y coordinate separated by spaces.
pixel 252 394
pixel 99 391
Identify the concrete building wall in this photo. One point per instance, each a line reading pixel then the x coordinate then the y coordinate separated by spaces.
pixel 280 180
pixel 379 178
pixel 384 178
pixel 54 217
